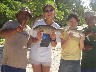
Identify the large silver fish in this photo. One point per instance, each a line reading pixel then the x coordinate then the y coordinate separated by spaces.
pixel 47 29
pixel 75 33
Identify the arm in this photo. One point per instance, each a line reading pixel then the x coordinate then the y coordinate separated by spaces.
pixel 32 40
pixel 9 32
pixel 53 43
pixel 82 42
pixel 87 45
pixel 38 38
pixel 53 39
pixel 29 42
pixel 35 40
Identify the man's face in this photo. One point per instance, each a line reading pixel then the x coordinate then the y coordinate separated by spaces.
pixel 91 20
pixel 23 16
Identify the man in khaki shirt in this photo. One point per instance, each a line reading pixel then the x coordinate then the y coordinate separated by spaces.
pixel 16 34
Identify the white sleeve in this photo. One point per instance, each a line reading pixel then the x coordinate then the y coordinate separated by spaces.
pixel 58 37
pixel 58 40
pixel 32 32
pixel 57 33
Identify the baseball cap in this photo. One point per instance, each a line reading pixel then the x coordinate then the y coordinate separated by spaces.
pixel 22 9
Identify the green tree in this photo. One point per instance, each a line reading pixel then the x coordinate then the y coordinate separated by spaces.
pixel 8 9
pixel 93 5
pixel 70 6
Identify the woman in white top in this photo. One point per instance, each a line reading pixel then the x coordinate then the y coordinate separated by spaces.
pixel 40 54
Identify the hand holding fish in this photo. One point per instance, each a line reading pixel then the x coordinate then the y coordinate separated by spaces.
pixel 82 37
pixel 39 35
pixel 53 36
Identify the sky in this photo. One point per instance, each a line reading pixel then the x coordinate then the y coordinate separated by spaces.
pixel 86 3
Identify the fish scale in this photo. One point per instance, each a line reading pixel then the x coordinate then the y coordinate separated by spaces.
pixel 47 29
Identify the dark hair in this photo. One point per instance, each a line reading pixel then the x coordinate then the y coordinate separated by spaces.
pixel 73 16
pixel 47 6
pixel 22 10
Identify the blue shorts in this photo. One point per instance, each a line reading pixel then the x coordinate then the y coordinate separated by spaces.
pixel 88 69
pixel 6 68
pixel 69 66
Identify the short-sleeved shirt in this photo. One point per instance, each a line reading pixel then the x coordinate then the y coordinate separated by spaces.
pixel 72 49
pixel 89 57
pixel 39 51
pixel 15 47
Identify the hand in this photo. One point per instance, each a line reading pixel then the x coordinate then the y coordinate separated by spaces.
pixel 82 37
pixel 88 47
pixel 39 35
pixel 23 24
pixel 53 35
pixel 19 29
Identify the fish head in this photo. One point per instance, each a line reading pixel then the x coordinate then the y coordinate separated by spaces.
pixel 38 28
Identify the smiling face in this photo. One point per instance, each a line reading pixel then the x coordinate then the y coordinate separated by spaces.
pixel 23 16
pixel 90 21
pixel 49 12
pixel 72 23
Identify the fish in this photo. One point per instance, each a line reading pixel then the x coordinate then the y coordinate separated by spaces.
pixel 47 29
pixel 76 33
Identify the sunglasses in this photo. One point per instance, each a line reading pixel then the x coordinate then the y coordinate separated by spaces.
pixel 49 10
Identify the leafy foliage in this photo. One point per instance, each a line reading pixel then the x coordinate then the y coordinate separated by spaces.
pixel 8 9
pixel 70 6
pixel 93 5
